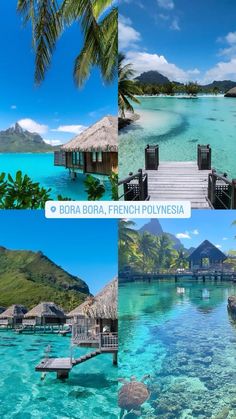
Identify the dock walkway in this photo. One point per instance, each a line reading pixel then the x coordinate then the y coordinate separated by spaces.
pixel 179 181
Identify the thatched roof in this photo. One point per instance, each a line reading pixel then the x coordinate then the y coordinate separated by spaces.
pixel 16 310
pixel 102 306
pixel 46 310
pixel 231 93
pixel 207 250
pixel 102 136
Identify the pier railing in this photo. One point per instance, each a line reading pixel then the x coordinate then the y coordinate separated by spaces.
pixel 204 157
pixel 108 341
pixel 221 191
pixel 134 187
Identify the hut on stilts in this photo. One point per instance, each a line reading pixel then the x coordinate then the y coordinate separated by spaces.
pixel 12 317
pixel 46 316
pixel 94 151
pixel 94 322
pixel 94 325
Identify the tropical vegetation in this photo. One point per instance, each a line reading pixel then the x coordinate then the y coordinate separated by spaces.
pixel 127 87
pixel 29 277
pixel 22 193
pixel 172 88
pixel 144 252
pixel 98 20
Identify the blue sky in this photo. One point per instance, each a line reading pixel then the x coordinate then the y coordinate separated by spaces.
pixel 183 39
pixel 85 248
pixel 56 109
pixel 215 226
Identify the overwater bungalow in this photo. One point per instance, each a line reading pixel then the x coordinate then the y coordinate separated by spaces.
pixel 12 316
pixel 46 315
pixel 231 92
pixel 206 256
pixel 94 325
pixel 95 321
pixel 94 151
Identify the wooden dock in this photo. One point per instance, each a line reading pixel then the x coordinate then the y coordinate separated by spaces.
pixel 156 276
pixel 179 181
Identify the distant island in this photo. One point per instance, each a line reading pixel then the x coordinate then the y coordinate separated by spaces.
pixel 31 277
pixel 154 83
pixel 17 140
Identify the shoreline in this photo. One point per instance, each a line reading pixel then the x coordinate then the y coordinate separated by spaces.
pixel 128 120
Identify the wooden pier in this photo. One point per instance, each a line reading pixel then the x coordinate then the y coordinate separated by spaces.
pixel 198 275
pixel 175 181
pixel 193 181
pixel 107 343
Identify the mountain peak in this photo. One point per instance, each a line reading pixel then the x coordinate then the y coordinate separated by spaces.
pixel 18 140
pixel 153 77
pixel 153 227
pixel 18 129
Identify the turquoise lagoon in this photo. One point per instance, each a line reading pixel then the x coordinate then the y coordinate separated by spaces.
pixel 90 391
pixel 186 342
pixel 178 125
pixel 40 167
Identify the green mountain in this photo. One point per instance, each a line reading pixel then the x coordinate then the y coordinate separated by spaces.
pixel 152 77
pixel 18 140
pixel 29 278
pixel 156 78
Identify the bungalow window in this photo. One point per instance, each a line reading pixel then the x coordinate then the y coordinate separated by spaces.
pixel 81 159
pixel 75 158
pixel 94 157
pixel 99 156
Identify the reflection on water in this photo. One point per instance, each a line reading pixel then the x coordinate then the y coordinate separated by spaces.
pixel 177 126
pixel 182 335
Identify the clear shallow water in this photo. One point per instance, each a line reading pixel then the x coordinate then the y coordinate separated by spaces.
pixel 90 391
pixel 187 343
pixel 40 167
pixel 178 125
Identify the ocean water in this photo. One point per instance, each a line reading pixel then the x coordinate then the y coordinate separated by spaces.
pixel 40 167
pixel 90 391
pixel 187 343
pixel 178 125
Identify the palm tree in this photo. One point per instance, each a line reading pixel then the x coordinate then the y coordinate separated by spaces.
pixel 165 252
pixel 99 25
pixel 180 260
pixel 126 234
pixel 127 88
pixel 146 246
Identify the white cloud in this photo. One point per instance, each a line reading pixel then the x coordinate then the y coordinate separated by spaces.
pixel 175 25
pixel 195 232
pixel 72 129
pixel 52 142
pixel 143 61
pixel 13 107
pixel 128 36
pixel 166 4
pixel 224 69
pixel 221 71
pixel 185 235
pixel 218 246
pixel 33 126
pixel 230 49
pixel 225 238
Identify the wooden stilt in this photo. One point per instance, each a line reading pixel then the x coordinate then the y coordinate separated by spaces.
pixel 115 358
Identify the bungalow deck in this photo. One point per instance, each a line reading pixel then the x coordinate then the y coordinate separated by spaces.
pixel 179 181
